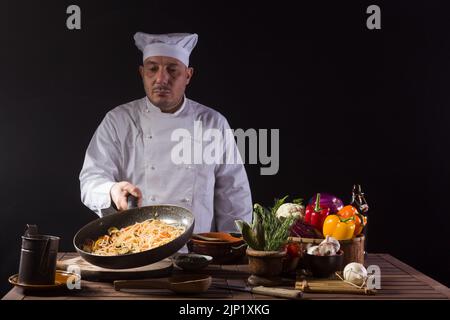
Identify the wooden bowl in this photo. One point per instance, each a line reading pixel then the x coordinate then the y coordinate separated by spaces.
pixel 353 248
pixel 265 263
pixel 229 250
pixel 190 283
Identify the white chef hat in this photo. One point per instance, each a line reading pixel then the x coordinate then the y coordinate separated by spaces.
pixel 175 45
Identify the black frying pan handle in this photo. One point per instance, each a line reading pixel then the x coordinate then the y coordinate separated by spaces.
pixel 132 202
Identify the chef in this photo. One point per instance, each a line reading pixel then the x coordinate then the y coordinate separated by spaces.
pixel 131 151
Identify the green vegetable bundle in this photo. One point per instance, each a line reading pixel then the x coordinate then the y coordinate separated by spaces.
pixel 267 232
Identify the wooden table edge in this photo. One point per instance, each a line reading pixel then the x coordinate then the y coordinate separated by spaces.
pixel 417 274
pixel 16 293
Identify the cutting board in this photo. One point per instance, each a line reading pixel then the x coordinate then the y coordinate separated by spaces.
pixel 90 272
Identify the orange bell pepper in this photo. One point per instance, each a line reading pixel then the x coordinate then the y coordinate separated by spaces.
pixel 360 220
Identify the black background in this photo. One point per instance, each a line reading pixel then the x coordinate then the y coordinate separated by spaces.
pixel 353 106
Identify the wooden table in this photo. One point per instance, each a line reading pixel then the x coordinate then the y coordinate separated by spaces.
pixel 398 281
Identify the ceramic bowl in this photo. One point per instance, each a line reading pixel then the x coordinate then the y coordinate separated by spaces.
pixel 192 261
pixel 323 266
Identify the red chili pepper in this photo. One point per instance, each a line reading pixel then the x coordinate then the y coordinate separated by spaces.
pixel 315 214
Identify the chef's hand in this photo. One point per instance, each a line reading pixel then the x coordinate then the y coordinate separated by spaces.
pixel 119 194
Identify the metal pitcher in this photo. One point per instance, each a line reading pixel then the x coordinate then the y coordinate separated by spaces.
pixel 38 258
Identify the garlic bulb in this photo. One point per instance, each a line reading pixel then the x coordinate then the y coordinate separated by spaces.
pixel 313 250
pixel 355 273
pixel 332 240
pixel 328 247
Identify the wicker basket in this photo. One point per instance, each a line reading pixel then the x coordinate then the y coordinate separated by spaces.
pixel 353 248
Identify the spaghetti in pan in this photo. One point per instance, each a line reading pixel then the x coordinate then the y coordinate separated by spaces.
pixel 141 236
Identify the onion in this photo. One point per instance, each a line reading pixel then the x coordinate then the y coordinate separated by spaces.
pixel 328 200
pixel 355 273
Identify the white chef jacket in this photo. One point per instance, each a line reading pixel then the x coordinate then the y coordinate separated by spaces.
pixel 133 143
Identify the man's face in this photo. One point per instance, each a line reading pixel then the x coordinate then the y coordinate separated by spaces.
pixel 165 80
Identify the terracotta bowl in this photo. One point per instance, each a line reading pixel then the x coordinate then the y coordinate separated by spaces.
pixel 323 266
pixel 230 249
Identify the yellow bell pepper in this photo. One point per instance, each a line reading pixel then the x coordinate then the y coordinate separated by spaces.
pixel 360 220
pixel 339 228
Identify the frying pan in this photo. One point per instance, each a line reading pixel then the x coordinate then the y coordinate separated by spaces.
pixel 170 214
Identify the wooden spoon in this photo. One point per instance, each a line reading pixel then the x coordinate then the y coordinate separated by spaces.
pixel 177 284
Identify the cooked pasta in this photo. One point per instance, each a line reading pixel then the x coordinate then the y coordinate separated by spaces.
pixel 136 238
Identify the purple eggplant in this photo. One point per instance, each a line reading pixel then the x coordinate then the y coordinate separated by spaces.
pixel 328 200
